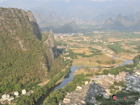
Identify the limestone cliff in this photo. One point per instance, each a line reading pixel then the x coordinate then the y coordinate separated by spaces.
pixel 14 21
pixel 21 51
pixel 51 51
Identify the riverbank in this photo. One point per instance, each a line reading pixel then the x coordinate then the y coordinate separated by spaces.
pixel 58 95
pixel 69 77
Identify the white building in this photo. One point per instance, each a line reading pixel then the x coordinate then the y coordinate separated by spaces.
pixel 24 91
pixel 16 93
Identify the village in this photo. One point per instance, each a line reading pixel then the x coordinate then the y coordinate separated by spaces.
pixel 102 86
pixel 8 98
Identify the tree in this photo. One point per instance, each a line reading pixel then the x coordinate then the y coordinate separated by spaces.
pixel 137 60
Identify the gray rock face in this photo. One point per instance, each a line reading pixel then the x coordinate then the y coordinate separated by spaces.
pixel 133 83
pixel 50 48
pixel 13 21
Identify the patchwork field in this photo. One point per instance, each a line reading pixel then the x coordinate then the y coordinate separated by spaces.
pixel 101 49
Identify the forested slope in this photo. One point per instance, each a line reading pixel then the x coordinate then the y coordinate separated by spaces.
pixel 23 59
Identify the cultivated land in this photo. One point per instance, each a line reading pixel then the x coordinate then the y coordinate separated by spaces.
pixel 100 49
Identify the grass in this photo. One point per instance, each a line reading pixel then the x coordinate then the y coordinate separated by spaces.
pixel 98 60
pixel 117 70
pixel 116 48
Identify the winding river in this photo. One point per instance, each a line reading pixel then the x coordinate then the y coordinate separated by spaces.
pixel 70 76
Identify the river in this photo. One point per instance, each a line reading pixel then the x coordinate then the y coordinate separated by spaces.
pixel 70 77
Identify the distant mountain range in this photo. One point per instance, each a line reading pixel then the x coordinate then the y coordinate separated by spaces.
pixel 129 23
pixel 72 25
pixel 81 14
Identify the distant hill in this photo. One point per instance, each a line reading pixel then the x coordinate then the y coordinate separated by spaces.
pixel 120 23
pixel 124 23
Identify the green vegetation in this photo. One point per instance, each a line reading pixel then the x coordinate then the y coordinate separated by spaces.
pixel 72 54
pixel 96 51
pixel 121 35
pixel 23 69
pixel 23 58
pixel 41 91
pixel 137 60
pixel 126 68
pixel 106 62
pixel 116 48
pixel 128 35
pixel 138 48
pixel 21 53
pixel 117 70
pixel 135 44
pixel 93 50
pixel 20 68
pixel 56 96
pixel 115 87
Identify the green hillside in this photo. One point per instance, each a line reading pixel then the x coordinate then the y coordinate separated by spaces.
pixel 23 61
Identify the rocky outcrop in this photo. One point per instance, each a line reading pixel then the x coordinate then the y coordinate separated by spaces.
pixel 50 48
pixel 16 21
pixel 34 24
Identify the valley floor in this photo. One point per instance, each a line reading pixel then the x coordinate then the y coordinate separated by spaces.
pixel 104 59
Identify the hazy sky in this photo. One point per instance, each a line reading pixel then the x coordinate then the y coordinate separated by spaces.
pixel 77 8
pixel 35 3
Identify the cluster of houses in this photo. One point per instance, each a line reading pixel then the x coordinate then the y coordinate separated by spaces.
pixel 8 98
pixel 69 97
